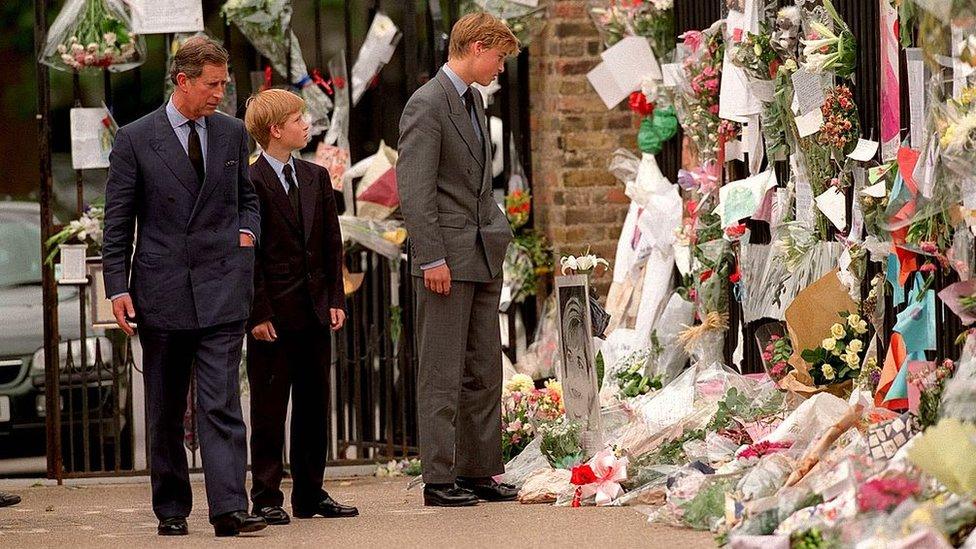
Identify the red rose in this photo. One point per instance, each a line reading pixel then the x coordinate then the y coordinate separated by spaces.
pixel 640 105
pixel 705 275
pixel 583 474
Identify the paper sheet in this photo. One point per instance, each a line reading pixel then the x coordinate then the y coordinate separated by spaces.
pixel 857 221
pixel 740 199
pixel 808 90
pixel 91 138
pixel 164 16
pixel 804 196
pixel 624 66
pixel 673 74
pixel 878 190
pixel 864 151
pixel 916 95
pixel 832 204
pixel 733 150
pixel 810 123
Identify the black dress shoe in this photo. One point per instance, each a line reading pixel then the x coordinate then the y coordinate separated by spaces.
pixel 326 507
pixel 7 500
pixel 237 522
pixel 488 489
pixel 174 526
pixel 448 495
pixel 274 515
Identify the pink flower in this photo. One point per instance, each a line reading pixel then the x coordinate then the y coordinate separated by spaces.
pixel 883 494
pixel 763 448
pixel 692 39
pixel 767 356
pixel 713 109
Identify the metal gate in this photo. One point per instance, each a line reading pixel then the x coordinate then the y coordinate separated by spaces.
pixel 88 377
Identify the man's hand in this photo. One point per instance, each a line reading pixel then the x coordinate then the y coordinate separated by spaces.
pixel 264 332
pixel 338 319
pixel 124 310
pixel 438 279
pixel 247 241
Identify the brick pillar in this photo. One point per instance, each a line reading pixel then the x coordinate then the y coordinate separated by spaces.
pixel 578 203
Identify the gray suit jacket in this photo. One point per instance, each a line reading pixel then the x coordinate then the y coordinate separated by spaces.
pixel 444 182
pixel 188 270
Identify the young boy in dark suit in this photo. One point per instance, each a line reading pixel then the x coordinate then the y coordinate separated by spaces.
pixel 298 297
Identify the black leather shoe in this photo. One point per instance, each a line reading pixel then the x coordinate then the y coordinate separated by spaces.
pixel 7 500
pixel 174 526
pixel 448 496
pixel 326 507
pixel 237 522
pixel 274 515
pixel 488 489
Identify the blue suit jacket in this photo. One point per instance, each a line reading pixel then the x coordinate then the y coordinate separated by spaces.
pixel 189 270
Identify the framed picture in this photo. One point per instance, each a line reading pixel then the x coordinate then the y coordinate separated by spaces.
pixel 99 305
pixel 577 369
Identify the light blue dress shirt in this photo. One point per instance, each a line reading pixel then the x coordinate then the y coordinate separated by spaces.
pixel 182 129
pixel 279 167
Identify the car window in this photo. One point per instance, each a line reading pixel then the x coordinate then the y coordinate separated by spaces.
pixel 20 252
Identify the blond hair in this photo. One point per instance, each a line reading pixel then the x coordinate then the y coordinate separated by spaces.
pixel 481 27
pixel 269 108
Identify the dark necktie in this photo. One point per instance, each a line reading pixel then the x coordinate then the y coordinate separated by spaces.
pixel 472 112
pixel 293 197
pixel 195 151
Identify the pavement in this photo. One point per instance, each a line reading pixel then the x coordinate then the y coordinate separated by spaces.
pixel 119 516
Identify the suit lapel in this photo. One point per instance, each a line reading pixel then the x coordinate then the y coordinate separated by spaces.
pixel 486 149
pixel 308 187
pixel 278 197
pixel 460 118
pixel 216 147
pixel 171 152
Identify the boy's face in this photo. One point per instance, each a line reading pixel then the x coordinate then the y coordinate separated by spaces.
pixel 486 63
pixel 293 132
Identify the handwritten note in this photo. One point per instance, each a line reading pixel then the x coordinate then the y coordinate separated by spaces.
pixel 808 89
pixel 624 66
pixel 864 151
pixel 163 16
pixel 804 196
pixel 916 95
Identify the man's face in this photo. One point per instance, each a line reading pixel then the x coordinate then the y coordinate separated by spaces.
pixel 293 132
pixel 487 63
pixel 203 93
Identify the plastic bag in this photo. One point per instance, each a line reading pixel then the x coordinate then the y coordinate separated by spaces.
pixel 766 477
pixel 332 152
pixel 671 356
pixel 383 237
pixel 377 49
pixel 265 24
pixel 542 358
pixel 527 462
pixel 93 34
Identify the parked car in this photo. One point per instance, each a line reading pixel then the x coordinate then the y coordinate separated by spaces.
pixel 88 387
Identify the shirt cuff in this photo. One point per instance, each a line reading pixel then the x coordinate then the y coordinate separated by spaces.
pixel 249 233
pixel 116 296
pixel 433 264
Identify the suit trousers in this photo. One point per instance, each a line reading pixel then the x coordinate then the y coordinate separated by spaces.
pixel 460 382
pixel 213 355
pixel 297 361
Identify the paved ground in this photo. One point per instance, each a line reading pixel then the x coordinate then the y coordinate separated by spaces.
pixel 119 516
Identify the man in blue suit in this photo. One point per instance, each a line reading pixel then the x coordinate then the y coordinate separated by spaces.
pixel 179 179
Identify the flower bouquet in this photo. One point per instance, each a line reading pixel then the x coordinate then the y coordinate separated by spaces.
pixel 756 56
pixel 827 50
pixel 87 229
pixel 654 20
pixel 518 204
pixel 584 264
pixel 93 34
pixel 632 378
pixel 610 19
pixel 840 130
pixel 523 20
pixel 266 25
pixel 776 355
pixel 524 408
pixel 839 356
pixel 698 100
pixel 561 443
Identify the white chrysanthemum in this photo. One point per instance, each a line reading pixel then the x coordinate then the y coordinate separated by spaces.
pixel 520 383
pixel 828 372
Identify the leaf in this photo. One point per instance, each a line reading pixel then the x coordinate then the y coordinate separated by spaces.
pixel 812 356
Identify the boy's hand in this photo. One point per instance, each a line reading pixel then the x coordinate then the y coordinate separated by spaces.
pixel 338 317
pixel 264 332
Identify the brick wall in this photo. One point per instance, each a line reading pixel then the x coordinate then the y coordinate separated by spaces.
pixel 577 202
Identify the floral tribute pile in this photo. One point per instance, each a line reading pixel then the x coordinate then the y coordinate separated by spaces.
pixel 841 256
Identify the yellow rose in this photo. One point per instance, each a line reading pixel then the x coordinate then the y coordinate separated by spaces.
pixel 829 344
pixel 828 371
pixel 837 330
pixel 855 346
pixel 853 319
pixel 860 327
pixel 852 360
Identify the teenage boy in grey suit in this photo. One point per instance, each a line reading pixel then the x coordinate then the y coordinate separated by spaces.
pixel 458 238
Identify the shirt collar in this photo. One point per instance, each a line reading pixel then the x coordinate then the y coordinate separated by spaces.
pixel 176 118
pixel 459 84
pixel 278 165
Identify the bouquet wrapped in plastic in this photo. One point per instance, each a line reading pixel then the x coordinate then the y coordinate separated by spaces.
pixel 524 20
pixel 93 34
pixel 266 25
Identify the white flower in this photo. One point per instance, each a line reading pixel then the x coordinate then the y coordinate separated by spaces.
pixel 828 371
pixel 663 4
pixel 816 62
pixel 62 49
pixel 582 263
pixel 853 361
pixel 77 48
pixel 829 344
pixel 110 38
pixel 789 13
pixel 837 330
pixel 855 346
pixel 520 383
pixel 92 48
pixel 67 59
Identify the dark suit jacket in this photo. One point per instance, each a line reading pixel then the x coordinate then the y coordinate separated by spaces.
pixel 296 264
pixel 189 270
pixel 444 181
